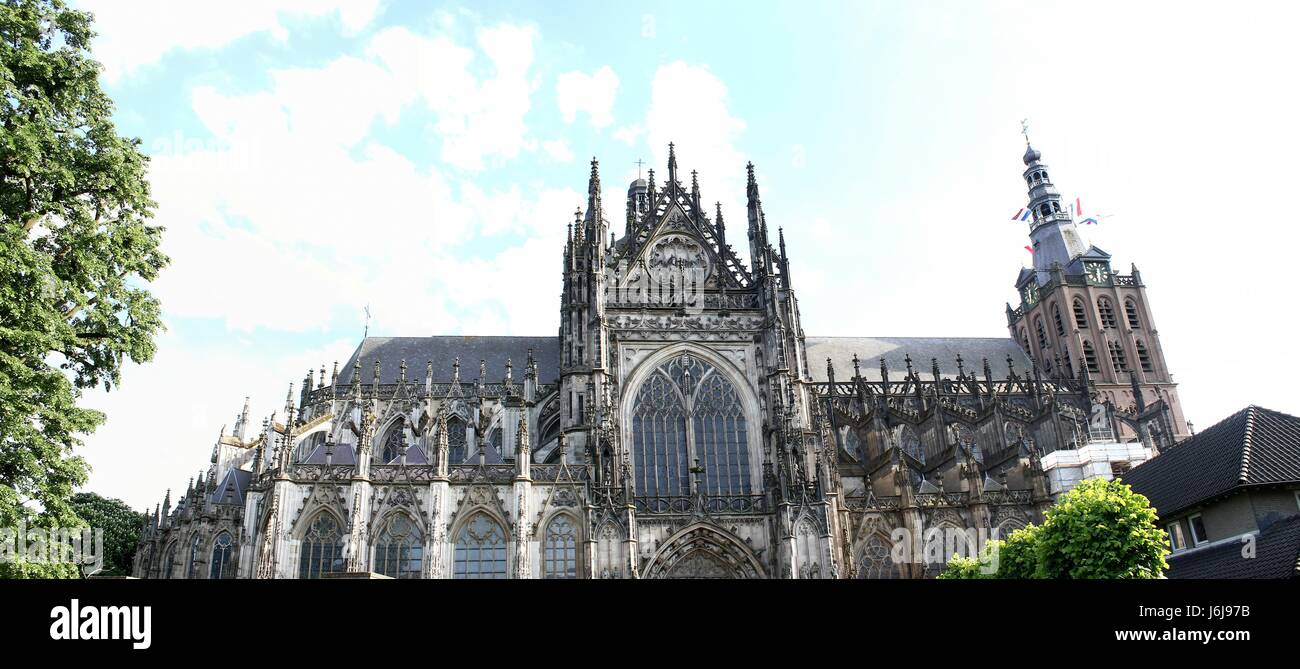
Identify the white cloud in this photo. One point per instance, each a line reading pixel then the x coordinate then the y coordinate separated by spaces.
pixel 474 119
pixel 558 149
pixel 629 134
pixel 688 106
pixel 138 33
pixel 592 94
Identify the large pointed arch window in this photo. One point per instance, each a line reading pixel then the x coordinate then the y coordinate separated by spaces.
pixel 222 564
pixel 876 559
pixel 560 548
pixel 322 548
pixel 687 410
pixel 399 553
pixel 480 549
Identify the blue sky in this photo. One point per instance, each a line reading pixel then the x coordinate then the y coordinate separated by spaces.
pixel 311 158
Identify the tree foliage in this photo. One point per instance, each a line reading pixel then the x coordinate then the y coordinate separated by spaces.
pixel 1100 529
pixel 121 525
pixel 76 253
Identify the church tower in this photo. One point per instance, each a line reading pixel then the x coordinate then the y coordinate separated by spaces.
pixel 1078 318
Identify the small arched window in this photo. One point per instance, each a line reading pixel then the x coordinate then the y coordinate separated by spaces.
pixel 193 571
pixel 393 442
pixel 169 561
pixel 1117 358
pixel 399 553
pixel 222 564
pixel 1042 333
pixel 480 549
pixel 1080 314
pixel 1090 358
pixel 1131 311
pixel 455 440
pixel 560 548
pixel 1056 319
pixel 322 548
pixel 1107 312
pixel 1144 357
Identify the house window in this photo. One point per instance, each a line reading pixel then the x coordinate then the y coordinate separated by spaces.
pixel 1107 313
pixel 1131 311
pixel 1080 315
pixel 1198 529
pixel 1177 541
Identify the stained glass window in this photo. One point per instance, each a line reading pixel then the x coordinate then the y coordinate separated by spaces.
pixel 480 549
pixel 222 564
pixel 687 410
pixel 560 549
pixel 169 561
pixel 322 548
pixel 455 441
pixel 393 442
pixel 399 553
pixel 193 571
pixel 875 560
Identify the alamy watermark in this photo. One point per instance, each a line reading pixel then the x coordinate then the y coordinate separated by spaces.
pixel 81 546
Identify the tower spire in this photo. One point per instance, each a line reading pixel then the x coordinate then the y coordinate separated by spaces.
pixel 1052 230
pixel 758 246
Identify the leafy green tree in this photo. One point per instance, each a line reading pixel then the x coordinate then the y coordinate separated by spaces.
pixel 1101 529
pixel 76 253
pixel 121 526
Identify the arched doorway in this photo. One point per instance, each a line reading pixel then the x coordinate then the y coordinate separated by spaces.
pixel 703 550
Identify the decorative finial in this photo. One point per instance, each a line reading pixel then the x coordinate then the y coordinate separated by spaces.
pixel 1024 129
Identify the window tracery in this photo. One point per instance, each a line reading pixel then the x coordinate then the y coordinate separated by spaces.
pixel 480 549
pixel 688 410
pixel 322 548
pixel 399 553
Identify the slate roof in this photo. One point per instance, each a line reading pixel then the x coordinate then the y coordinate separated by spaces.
pixel 893 349
pixel 442 350
pixel 494 350
pixel 232 487
pixel 1277 555
pixel 1255 446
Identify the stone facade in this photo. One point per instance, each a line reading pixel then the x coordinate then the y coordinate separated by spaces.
pixel 679 425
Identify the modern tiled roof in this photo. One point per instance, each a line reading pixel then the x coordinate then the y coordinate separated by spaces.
pixel 1277 555
pixel 442 350
pixel 1255 446
pixel 894 349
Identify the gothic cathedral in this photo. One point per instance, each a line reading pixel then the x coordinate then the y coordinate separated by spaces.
pixel 680 424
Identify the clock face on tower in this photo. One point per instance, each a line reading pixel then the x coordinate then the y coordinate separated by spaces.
pixel 1030 294
pixel 1096 273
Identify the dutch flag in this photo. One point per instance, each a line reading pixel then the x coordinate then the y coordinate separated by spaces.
pixel 1022 215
